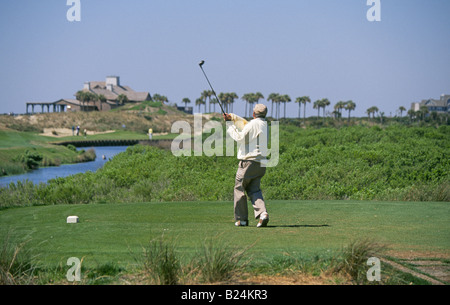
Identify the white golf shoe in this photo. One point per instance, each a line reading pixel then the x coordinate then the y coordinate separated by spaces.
pixel 241 223
pixel 263 220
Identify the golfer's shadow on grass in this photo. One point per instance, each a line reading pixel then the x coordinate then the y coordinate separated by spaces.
pixel 297 226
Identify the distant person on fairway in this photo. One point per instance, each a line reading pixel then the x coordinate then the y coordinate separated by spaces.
pixel 250 170
pixel 150 134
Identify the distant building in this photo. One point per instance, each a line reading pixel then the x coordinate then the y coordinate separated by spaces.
pixel 110 89
pixel 188 110
pixel 439 106
pixel 68 105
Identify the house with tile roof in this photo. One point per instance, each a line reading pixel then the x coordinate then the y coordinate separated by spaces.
pixel 111 89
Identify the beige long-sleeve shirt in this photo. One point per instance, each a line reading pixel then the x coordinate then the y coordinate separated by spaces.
pixel 252 139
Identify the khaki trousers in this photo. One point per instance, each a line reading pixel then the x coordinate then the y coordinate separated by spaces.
pixel 248 180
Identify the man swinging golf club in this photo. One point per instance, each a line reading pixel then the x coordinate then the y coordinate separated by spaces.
pixel 250 170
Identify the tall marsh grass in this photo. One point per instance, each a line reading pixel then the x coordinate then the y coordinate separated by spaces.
pixel 16 266
pixel 354 256
pixel 213 262
pixel 161 262
pixel 218 262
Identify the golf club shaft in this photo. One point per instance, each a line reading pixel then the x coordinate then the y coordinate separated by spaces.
pixel 218 100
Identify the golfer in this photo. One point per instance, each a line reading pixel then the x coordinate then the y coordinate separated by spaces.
pixel 250 170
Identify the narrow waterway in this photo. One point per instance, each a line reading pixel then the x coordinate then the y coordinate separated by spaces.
pixel 46 173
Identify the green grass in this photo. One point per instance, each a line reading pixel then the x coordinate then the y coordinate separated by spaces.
pixel 116 135
pixel 12 138
pixel 111 233
pixel 13 144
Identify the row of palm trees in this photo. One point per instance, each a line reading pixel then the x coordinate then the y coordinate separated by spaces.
pixel 413 114
pixel 87 97
pixel 227 100
pixel 276 99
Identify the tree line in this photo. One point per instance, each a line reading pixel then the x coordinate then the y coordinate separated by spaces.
pixel 208 101
pixel 276 99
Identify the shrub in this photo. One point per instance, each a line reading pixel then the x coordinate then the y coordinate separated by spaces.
pixel 16 267
pixel 354 257
pixel 161 262
pixel 218 263
pixel 392 163
pixel 30 159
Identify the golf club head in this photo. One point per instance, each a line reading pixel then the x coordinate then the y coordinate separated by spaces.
pixel 201 63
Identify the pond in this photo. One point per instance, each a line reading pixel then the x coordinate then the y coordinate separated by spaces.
pixel 46 173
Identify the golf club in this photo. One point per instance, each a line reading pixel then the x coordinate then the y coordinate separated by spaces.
pixel 218 100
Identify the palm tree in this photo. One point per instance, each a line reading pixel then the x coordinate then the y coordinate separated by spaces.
pixel 232 96
pixel 206 94
pixel 214 102
pixel 94 99
pixel 199 102
pixel 101 99
pixel 285 99
pixel 338 107
pixel 247 97
pixel 369 112
pixel 317 105
pixel 325 103
pixel 273 97
pixel 210 95
pixel 375 110
pixel 305 99
pixel 281 100
pixel 257 96
pixel 350 106
pixel 122 99
pixel 87 98
pixel 223 98
pixel 372 110
pixel 381 117
pixel 80 96
pixel 186 101
pixel 401 110
pixel 156 97
pixel 423 112
pixel 160 98
pixel 228 100
pixel 411 114
pixel 299 100
pixel 277 100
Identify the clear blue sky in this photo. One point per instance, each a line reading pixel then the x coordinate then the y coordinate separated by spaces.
pixel 320 48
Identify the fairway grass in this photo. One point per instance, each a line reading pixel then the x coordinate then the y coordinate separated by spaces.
pixel 116 233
